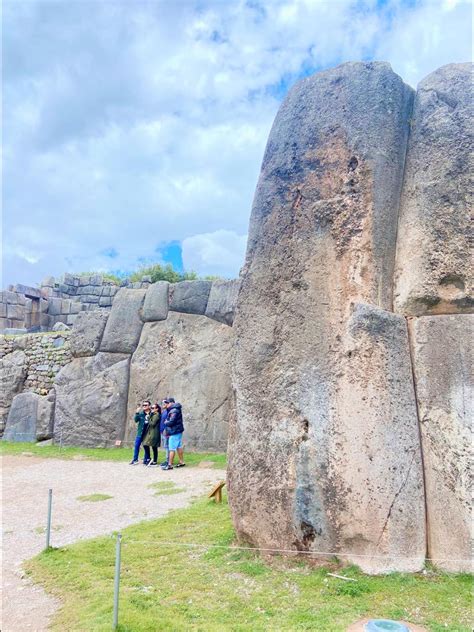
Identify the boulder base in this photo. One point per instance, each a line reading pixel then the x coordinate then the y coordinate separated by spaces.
pixel 12 378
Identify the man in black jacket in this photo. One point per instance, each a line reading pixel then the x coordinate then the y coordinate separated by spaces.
pixel 174 430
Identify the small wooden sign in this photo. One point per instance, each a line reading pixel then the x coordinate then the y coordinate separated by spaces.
pixel 118 443
pixel 216 492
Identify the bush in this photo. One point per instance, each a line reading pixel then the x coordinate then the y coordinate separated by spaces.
pixel 158 272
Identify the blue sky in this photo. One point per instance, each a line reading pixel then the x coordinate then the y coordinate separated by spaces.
pixel 134 131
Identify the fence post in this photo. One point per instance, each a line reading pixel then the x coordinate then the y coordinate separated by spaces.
pixel 48 523
pixel 118 547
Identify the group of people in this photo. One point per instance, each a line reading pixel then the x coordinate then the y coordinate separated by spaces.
pixel 159 425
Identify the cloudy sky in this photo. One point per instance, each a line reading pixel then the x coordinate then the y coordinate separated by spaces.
pixel 134 131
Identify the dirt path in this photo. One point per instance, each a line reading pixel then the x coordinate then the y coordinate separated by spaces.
pixel 25 484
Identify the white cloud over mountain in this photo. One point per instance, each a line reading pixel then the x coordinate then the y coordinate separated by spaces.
pixel 131 125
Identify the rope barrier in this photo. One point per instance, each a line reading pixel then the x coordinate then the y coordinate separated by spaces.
pixel 293 551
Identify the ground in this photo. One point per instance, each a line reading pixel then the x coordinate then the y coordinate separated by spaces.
pixel 134 496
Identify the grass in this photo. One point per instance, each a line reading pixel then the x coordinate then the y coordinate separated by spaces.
pixel 166 488
pixel 218 461
pixel 174 587
pixel 94 498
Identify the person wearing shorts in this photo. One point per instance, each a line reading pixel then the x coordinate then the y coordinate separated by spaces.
pixel 174 430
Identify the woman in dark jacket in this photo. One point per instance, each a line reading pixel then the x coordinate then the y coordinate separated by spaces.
pixel 152 435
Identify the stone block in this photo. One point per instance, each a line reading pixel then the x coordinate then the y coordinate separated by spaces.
pixel 189 297
pixel 3 323
pixel 45 416
pixel 90 298
pixel 196 353
pixel 13 369
pixel 156 303
pixel 11 297
pixel 113 290
pixel 28 307
pixel 55 306
pixel 3 310
pixel 338 436
pixel 91 400
pixel 16 312
pixel 124 325
pixel 60 325
pixel 105 301
pixel 43 305
pixel 21 420
pixel 75 307
pixel 223 301
pixel 442 353
pixel 71 319
pixel 28 291
pixel 21 299
pixel 47 292
pixel 65 306
pixel 96 279
pixel 434 268
pixel 84 280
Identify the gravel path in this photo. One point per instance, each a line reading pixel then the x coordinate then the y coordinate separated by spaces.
pixel 25 484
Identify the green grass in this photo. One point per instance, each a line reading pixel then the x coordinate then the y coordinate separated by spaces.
pixel 174 587
pixel 166 488
pixel 94 498
pixel 98 454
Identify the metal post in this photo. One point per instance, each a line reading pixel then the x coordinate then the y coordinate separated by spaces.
pixel 48 523
pixel 117 579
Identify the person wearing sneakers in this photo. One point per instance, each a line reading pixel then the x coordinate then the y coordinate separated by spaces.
pixel 141 419
pixel 174 429
pixel 151 437
pixel 164 417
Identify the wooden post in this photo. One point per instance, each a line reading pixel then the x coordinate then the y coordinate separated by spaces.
pixel 216 492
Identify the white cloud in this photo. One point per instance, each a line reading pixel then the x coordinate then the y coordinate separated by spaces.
pixel 131 124
pixel 221 252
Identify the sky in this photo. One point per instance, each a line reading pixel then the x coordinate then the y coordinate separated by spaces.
pixel 133 132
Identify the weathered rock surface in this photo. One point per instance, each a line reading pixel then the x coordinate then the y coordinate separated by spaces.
pixel 91 400
pixel 187 357
pixel 443 352
pixel 13 368
pixel 223 301
pixel 45 416
pixel 124 325
pixel 87 332
pixel 189 297
pixel 316 473
pixel 433 271
pixel 156 302
pixel 21 422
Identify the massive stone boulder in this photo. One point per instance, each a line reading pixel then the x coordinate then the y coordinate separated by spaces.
pixel 189 297
pixel 91 400
pixel 156 302
pixel 434 272
pixel 325 452
pixel 13 369
pixel 187 357
pixel 30 417
pixel 443 355
pixel 87 333
pixel 223 301
pixel 124 325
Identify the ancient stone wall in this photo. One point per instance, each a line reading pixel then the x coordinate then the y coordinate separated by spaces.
pixel 322 365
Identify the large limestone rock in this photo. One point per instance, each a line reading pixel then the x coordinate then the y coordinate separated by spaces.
pixel 30 417
pixel 21 422
pixel 223 301
pixel 124 325
pixel 13 369
pixel 324 454
pixel 87 333
pixel 91 400
pixel 442 353
pixel 156 302
pixel 433 272
pixel 189 297
pixel 187 357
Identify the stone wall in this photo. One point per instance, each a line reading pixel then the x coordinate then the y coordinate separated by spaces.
pixel 321 361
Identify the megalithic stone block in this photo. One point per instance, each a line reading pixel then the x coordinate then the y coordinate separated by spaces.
pixel 87 333
pixel 443 361
pixel 124 325
pixel 22 417
pixel 322 237
pixel 433 269
pixel 156 302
